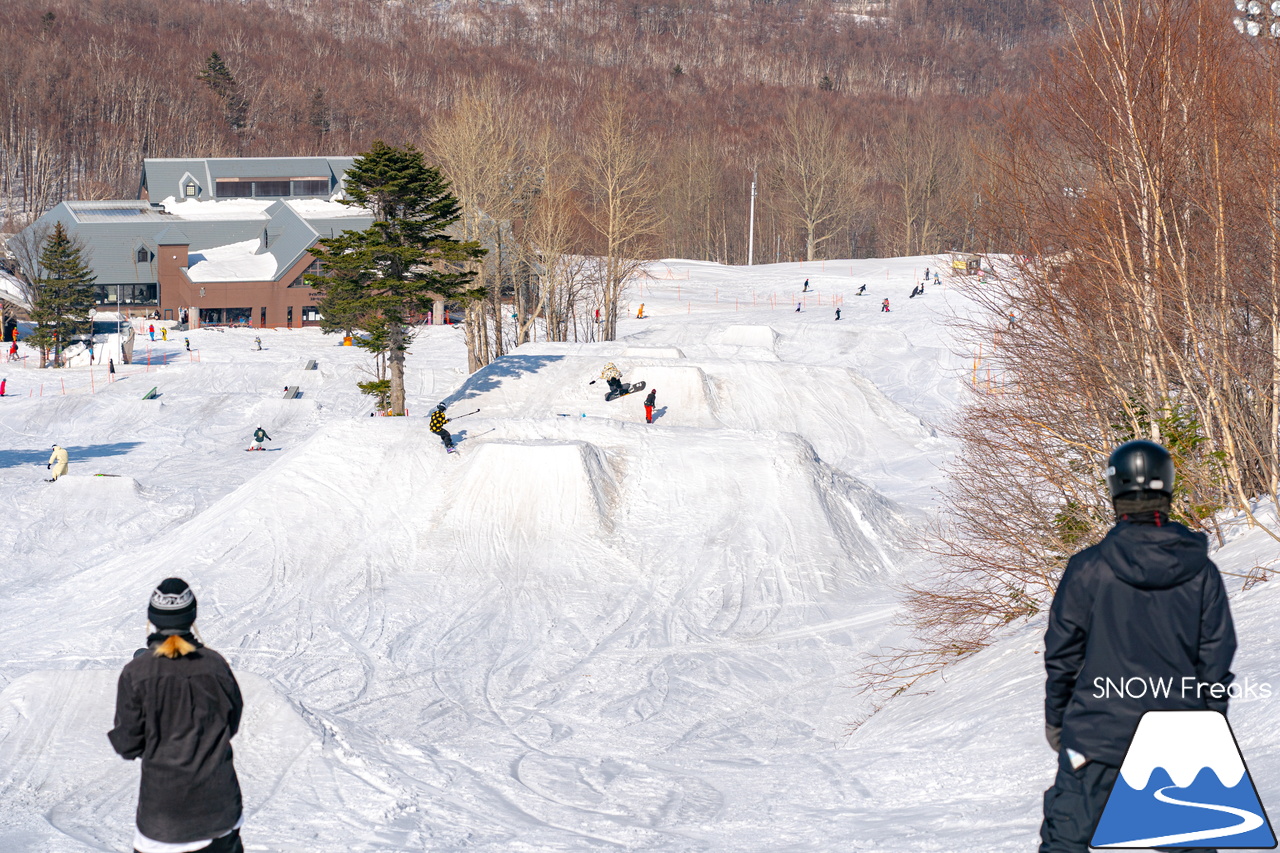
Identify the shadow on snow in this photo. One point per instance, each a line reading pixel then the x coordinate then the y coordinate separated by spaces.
pixel 76 453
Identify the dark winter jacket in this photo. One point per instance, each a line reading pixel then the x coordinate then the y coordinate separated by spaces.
pixel 652 399
pixel 1145 608
pixel 438 420
pixel 258 435
pixel 179 714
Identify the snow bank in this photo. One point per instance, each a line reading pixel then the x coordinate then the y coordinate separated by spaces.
pixel 543 489
pixel 749 336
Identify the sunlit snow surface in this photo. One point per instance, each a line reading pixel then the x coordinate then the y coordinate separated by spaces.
pixel 581 632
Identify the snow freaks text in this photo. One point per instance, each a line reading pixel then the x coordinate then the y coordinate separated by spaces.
pixel 1186 687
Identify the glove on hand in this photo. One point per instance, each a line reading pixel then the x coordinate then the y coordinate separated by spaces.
pixel 48 466
pixel 592 382
pixel 1053 734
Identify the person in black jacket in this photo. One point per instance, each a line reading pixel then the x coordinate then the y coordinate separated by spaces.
pixel 177 708
pixel 1144 603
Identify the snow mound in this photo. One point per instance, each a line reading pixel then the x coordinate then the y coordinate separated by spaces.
pixel 685 395
pixel 534 489
pixel 749 336
pixel 652 352
pixel 97 487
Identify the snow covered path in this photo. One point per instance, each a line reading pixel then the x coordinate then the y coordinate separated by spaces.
pixel 581 632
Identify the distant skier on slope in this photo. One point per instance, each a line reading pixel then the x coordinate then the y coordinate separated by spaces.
pixel 884 306
pixel 259 435
pixel 837 313
pixel 436 425
pixel 861 290
pixel 806 286
pixel 649 402
pixel 57 463
pixel 257 344
pixel 1146 604
pixel 177 708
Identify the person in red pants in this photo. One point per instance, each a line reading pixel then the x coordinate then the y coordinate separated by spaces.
pixel 649 403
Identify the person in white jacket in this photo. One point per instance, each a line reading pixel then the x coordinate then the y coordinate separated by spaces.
pixel 57 462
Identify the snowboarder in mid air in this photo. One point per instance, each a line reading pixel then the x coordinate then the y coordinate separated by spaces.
pixel 177 708
pixel 259 435
pixel 613 376
pixel 438 420
pixel 649 402
pixel 57 463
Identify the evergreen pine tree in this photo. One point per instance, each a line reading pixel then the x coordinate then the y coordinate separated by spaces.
pixel 64 294
pixel 217 76
pixel 380 277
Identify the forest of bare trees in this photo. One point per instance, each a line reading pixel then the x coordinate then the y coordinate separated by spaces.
pixel 1137 187
pixel 712 92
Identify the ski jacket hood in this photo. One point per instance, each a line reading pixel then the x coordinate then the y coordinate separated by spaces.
pixel 1152 556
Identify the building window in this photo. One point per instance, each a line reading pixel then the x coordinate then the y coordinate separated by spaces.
pixel 143 255
pixel 234 189
pixel 191 190
pixel 226 316
pixel 310 315
pixel 271 188
pixel 129 294
pixel 314 187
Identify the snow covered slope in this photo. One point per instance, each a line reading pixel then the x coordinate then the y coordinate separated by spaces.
pixel 580 632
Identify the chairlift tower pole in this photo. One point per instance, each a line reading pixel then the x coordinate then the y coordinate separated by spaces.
pixel 751 227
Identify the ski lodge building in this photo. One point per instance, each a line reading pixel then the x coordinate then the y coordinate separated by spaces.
pixel 226 239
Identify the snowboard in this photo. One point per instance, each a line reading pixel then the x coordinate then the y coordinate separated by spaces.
pixel 626 389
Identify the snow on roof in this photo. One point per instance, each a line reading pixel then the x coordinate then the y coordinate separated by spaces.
pixel 255 208
pixel 235 262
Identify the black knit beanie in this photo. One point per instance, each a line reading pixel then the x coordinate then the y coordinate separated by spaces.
pixel 173 605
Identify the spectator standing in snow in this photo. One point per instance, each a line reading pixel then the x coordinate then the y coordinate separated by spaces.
pixel 177 708
pixel 1011 320
pixel 57 463
pixel 437 424
pixel 649 402
pixel 111 367
pixel 884 306
pixel 152 330
pixel 1145 603
pixel 837 313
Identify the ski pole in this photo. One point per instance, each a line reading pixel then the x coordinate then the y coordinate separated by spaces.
pixel 463 416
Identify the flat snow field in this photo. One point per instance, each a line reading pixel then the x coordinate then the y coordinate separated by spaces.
pixel 580 632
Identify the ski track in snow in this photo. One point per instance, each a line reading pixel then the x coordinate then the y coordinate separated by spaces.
pixel 583 633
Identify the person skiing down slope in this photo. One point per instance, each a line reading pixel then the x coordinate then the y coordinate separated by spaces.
pixel 436 425
pixel 57 463
pixel 1144 604
pixel 259 435
pixel 177 708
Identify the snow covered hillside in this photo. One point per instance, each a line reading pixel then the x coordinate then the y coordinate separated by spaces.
pixel 579 632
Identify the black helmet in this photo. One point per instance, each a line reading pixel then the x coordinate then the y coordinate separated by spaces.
pixel 1139 466
pixel 440 407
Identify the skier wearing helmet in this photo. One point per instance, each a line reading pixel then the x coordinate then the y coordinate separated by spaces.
pixel 438 420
